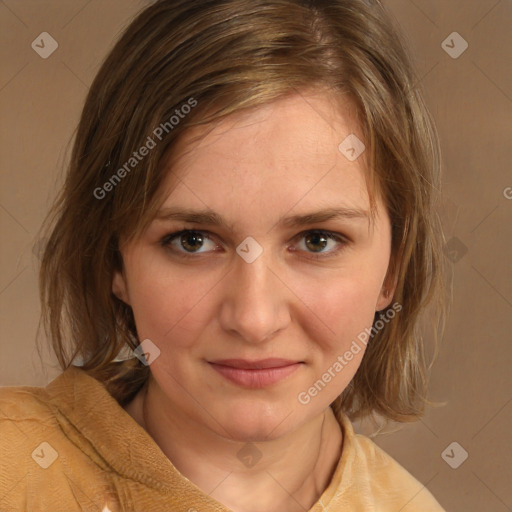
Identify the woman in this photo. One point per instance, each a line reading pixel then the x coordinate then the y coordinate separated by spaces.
pixel 236 265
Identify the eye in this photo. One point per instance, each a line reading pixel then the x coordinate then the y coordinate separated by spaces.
pixel 315 242
pixel 188 241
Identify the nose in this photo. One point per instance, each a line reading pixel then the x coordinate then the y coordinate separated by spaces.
pixel 255 305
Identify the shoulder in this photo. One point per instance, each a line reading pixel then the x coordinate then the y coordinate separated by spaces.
pixel 37 448
pixel 24 413
pixel 23 403
pixel 393 482
pixel 25 421
pixel 383 480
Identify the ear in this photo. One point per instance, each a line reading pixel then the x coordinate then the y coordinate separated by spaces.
pixel 387 291
pixel 119 287
pixel 384 300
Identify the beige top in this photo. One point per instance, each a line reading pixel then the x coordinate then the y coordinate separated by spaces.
pixel 70 447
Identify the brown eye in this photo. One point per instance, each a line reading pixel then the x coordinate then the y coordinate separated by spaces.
pixel 320 244
pixel 191 241
pixel 188 242
pixel 316 242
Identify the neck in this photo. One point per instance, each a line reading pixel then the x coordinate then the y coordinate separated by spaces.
pixel 286 474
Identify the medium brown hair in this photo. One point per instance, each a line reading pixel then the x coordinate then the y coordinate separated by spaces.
pixel 228 56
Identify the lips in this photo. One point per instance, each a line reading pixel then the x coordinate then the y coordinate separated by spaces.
pixel 255 365
pixel 255 374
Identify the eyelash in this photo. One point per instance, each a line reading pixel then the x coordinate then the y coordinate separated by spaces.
pixel 342 240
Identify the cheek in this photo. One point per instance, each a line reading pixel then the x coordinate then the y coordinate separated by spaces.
pixel 346 308
pixel 341 308
pixel 168 307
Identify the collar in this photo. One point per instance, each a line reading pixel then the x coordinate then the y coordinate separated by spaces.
pixel 115 441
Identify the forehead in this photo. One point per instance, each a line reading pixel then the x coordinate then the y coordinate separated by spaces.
pixel 275 158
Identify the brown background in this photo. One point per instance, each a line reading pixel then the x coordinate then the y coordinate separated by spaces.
pixel 471 100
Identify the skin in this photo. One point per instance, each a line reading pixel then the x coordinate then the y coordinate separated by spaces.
pixel 254 169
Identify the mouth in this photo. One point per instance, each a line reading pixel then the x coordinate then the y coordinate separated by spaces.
pixel 255 374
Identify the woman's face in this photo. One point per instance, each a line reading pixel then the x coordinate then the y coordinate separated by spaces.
pixel 279 274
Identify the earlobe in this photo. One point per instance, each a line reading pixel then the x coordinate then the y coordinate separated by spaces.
pixel 119 288
pixel 386 294
pixel 389 285
pixel 384 300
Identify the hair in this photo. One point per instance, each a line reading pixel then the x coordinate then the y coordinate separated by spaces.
pixel 222 57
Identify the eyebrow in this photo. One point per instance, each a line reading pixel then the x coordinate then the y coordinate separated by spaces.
pixel 209 217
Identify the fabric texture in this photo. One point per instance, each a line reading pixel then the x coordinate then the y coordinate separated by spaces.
pixel 70 447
